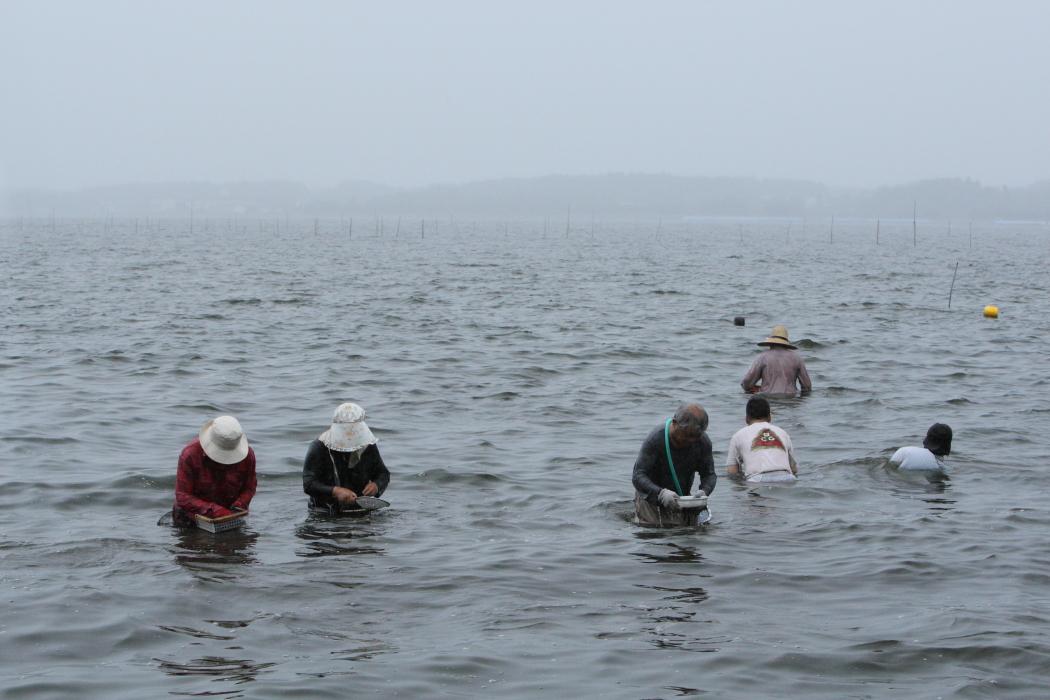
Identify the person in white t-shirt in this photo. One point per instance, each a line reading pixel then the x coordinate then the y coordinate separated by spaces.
pixel 929 457
pixel 761 452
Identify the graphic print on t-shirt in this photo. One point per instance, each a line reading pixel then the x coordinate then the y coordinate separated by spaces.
pixel 766 440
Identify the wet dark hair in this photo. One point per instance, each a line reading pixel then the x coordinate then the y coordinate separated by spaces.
pixel 757 407
pixel 939 439
pixel 690 423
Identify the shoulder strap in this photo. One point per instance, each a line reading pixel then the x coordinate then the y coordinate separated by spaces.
pixel 335 469
pixel 670 462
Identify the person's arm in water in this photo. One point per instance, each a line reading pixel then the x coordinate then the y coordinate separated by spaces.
pixel 244 498
pixel 644 466
pixel 376 471
pixel 707 467
pixel 805 384
pixel 733 459
pixel 186 478
pixel 754 374
pixel 318 477
pixel 791 457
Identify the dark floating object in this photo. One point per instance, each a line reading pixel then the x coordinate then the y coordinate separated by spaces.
pixel 738 320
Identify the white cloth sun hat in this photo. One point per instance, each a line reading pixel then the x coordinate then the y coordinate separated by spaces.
pixel 223 440
pixel 349 432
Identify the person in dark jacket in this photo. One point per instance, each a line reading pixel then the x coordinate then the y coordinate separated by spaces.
pixel 656 491
pixel 344 463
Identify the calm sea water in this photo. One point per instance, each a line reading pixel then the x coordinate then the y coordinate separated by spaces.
pixel 510 377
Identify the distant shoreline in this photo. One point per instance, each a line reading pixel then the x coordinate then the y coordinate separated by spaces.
pixel 555 197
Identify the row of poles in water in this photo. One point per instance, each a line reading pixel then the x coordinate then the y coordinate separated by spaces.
pixel 346 226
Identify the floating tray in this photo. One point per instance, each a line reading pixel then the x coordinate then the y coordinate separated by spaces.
pixel 692 502
pixel 226 522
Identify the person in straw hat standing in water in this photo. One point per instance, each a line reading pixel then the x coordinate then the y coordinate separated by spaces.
pixel 344 463
pixel 778 369
pixel 216 474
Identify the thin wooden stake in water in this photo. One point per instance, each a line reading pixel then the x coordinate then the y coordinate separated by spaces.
pixel 971 235
pixel 877 224
pixel 952 288
pixel 831 231
pixel 398 230
pixel 914 228
pixel 568 220
pixel 422 229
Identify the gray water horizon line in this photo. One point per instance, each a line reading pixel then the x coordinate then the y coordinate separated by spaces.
pixel 621 195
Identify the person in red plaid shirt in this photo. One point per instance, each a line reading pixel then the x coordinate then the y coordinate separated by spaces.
pixel 216 473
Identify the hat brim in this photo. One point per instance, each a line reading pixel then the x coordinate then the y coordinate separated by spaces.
pixel 778 341
pixel 220 454
pixel 348 437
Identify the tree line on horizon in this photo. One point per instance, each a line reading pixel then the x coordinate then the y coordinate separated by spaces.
pixel 555 196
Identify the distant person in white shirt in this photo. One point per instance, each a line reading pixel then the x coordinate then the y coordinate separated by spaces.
pixel 761 452
pixel 929 457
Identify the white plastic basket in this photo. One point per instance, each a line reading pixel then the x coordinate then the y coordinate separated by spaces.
pixel 226 522
pixel 693 502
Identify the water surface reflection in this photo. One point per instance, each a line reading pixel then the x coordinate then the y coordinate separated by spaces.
pixel 326 536
pixel 215 557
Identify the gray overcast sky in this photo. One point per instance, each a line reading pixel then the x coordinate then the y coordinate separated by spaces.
pixel 406 93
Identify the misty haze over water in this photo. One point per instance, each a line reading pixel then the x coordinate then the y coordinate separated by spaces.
pixel 615 197
pixel 759 107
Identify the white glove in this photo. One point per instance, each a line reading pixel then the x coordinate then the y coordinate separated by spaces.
pixel 669 499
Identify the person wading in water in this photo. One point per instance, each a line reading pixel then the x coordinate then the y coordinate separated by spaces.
pixel 670 456
pixel 778 369
pixel 344 463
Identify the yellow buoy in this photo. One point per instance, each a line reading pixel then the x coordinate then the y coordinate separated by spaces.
pixel 991 311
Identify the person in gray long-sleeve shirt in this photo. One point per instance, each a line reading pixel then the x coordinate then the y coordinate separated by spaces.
pixel 778 369
pixel 656 496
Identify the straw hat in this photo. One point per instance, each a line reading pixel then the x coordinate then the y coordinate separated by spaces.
pixel 779 336
pixel 223 440
pixel 349 431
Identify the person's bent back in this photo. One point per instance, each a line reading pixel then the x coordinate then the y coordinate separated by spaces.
pixel 779 369
pixel 668 461
pixel 761 451
pixel 930 457
pixel 216 474
pixel 344 463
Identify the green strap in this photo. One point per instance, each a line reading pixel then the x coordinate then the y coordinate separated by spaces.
pixel 670 462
